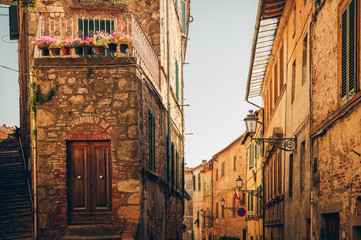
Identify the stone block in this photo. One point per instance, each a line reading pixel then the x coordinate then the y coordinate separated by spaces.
pixel 129 212
pixel 78 99
pixel 134 198
pixel 131 185
pixel 45 118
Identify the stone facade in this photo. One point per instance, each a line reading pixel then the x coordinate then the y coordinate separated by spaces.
pixel 188 205
pixel 218 181
pixel 113 101
pixel 335 134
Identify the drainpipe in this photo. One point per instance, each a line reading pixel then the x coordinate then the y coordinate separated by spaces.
pixel 168 195
pixel 35 176
pixel 144 193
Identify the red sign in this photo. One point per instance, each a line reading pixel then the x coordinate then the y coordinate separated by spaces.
pixel 241 212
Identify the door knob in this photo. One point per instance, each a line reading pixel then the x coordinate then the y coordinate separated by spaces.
pixel 79 177
pixel 101 177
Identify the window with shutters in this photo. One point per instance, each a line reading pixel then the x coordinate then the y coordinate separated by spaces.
pixel 234 207
pixel 89 27
pixel 217 174
pixel 184 17
pixel 199 181
pixel 294 21
pixel 251 155
pixel 177 169
pixel 293 82
pixel 151 130
pixel 275 83
pixel 281 68
pixel 290 176
pixel 176 79
pixel 348 51
pixel 176 3
pixel 304 59
pixel 222 211
pixel 197 218
pixel 210 218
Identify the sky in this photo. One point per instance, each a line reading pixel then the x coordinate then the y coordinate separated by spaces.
pixel 218 53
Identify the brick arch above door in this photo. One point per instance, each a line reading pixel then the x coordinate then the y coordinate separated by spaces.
pixel 88 128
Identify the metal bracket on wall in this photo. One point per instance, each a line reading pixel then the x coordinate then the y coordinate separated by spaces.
pixel 286 144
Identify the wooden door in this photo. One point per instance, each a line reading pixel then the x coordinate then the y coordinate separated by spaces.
pixel 332 226
pixel 89 179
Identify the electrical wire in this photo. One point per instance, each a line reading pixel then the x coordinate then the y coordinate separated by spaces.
pixel 2 39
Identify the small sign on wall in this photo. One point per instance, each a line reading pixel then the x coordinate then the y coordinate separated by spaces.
pixel 241 212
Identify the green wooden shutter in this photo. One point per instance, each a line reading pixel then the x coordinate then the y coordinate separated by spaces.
pixel 352 47
pixel 177 170
pixel 176 79
pixel 248 202
pixel 348 51
pixel 14 22
pixel 204 189
pixel 176 3
pixel 151 129
pixel 210 218
pixel 184 16
pixel 194 183
pixel 199 181
pixel 251 203
pixel 251 155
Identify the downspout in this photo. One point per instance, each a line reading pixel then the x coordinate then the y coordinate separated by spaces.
pixel 35 176
pixel 144 194
pixel 256 30
pixel 168 194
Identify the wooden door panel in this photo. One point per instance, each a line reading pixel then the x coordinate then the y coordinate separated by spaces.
pixel 101 179
pixel 89 182
pixel 79 179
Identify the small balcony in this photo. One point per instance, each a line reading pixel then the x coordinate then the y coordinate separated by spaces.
pixel 70 25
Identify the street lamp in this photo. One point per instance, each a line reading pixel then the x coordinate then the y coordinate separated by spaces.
pixel 239 182
pixel 286 144
pixel 223 202
pixel 256 193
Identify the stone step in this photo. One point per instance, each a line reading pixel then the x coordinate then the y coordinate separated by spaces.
pixel 92 232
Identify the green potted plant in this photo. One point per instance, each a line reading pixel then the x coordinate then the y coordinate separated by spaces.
pixel 26 4
pixel 43 43
pixel 100 42
pixel 125 41
pixel 78 44
pixel 55 48
pixel 88 45
pixel 113 42
pixel 65 48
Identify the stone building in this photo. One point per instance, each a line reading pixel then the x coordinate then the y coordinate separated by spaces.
pixel 214 182
pixel 228 164
pixel 188 234
pixel 197 201
pixel 279 75
pixel 6 131
pixel 106 132
pixel 336 114
pixel 254 183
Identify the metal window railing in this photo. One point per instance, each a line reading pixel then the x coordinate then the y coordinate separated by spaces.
pixel 63 25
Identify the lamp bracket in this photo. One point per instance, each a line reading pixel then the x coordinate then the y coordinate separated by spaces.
pixel 256 193
pixel 286 144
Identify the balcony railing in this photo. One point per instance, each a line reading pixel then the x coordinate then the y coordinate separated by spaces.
pixel 62 25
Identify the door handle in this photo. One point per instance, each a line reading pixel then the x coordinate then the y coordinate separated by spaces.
pixel 79 177
pixel 101 177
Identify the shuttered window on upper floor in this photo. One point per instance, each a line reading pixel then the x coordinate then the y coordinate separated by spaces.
pixel 176 79
pixel 199 181
pixel 151 131
pixel 251 155
pixel 348 51
pixel 89 27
